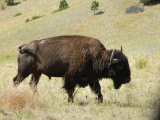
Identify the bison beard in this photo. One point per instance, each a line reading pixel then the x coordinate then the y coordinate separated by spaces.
pixel 79 60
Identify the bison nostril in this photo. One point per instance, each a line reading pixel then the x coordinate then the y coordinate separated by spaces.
pixel 128 80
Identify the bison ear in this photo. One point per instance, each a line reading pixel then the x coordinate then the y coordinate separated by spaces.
pixel 121 49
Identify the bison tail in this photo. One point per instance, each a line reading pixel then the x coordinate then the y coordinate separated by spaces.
pixel 27 50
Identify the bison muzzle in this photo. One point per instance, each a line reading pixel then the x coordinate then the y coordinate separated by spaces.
pixel 79 60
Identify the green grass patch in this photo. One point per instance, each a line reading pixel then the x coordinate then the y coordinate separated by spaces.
pixel 110 87
pixel 141 63
pixel 33 18
pixel 17 14
pixel 55 11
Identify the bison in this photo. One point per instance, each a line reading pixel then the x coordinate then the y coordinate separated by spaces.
pixel 79 60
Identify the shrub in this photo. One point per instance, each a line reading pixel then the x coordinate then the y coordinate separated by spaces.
pixel 9 2
pixel 94 6
pixel 141 63
pixel 36 17
pixel 63 5
pixel 27 20
pixel 148 1
pixel 33 18
pixel 17 14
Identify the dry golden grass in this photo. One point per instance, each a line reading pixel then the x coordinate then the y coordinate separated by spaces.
pixel 17 98
pixel 136 100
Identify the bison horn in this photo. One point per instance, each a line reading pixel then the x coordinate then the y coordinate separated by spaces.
pixel 111 58
pixel 121 49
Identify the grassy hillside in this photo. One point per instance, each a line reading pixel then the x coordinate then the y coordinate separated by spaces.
pixel 139 34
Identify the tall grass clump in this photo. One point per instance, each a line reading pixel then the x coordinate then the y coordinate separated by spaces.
pixel 141 63
pixel 17 98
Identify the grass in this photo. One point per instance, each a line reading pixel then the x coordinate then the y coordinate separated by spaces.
pixel 136 100
pixel 141 63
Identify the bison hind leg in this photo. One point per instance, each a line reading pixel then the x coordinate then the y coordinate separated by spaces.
pixel 34 81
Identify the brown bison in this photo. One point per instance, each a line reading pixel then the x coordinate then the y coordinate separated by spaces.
pixel 79 60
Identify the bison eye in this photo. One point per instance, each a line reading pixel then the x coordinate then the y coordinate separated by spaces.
pixel 120 66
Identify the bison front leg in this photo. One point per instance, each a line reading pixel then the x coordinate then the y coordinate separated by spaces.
pixel 18 79
pixel 70 95
pixel 69 86
pixel 70 90
pixel 96 88
pixel 34 81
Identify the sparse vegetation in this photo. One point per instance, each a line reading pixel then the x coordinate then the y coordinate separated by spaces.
pixel 33 18
pixel 141 63
pixel 110 87
pixel 17 14
pixel 94 6
pixel 36 17
pixel 55 11
pixel 27 20
pixel 9 2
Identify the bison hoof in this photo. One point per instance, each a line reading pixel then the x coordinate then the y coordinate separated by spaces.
pixel 100 100
pixel 70 100
pixel 15 84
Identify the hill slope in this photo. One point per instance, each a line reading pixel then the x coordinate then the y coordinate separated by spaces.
pixel 114 28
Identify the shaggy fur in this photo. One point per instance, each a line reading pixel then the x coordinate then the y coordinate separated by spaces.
pixel 79 60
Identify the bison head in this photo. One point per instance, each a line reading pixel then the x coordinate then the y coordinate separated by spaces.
pixel 118 68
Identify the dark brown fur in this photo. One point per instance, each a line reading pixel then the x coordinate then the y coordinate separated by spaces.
pixel 79 60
